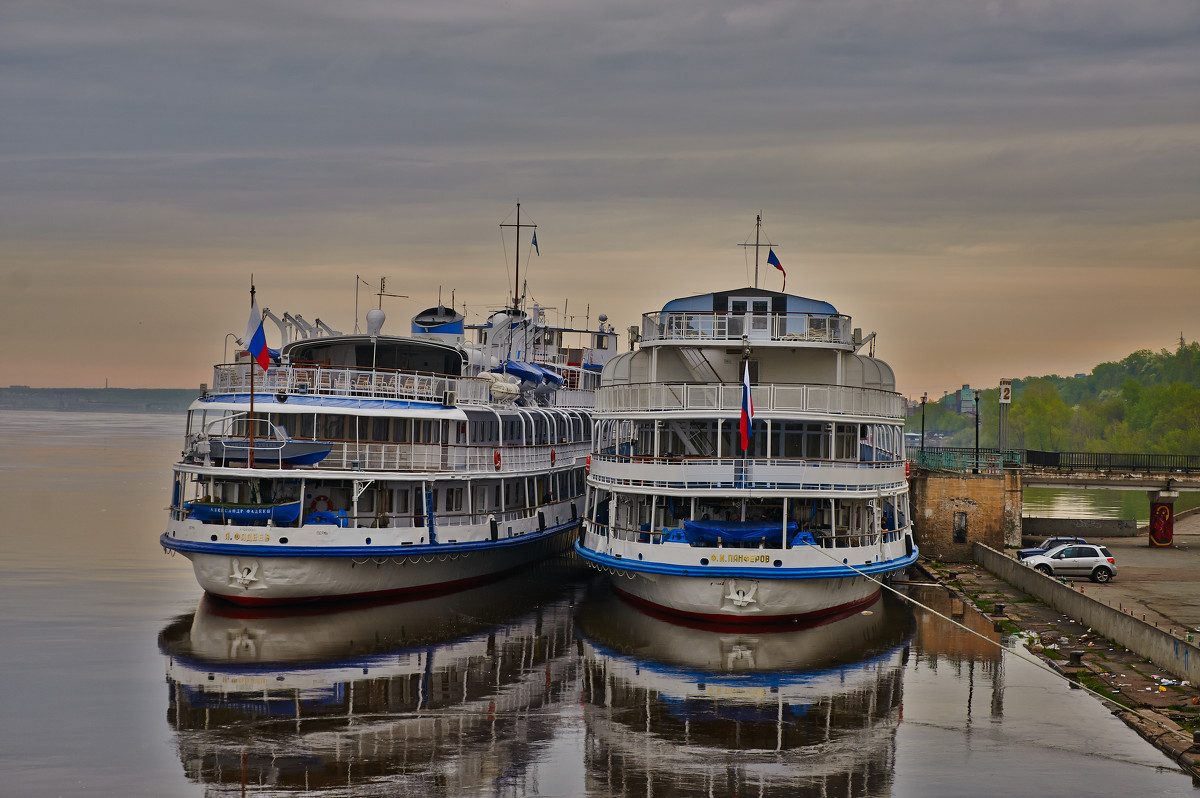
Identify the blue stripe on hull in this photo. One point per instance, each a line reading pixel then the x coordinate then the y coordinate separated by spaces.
pixel 283 550
pixel 872 569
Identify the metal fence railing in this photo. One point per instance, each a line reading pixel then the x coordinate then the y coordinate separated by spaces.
pixel 993 460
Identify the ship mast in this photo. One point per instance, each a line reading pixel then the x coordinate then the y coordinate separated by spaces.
pixel 517 280
pixel 756 244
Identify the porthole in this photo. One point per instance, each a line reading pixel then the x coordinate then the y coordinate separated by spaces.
pixel 368 541
pixel 778 563
pixel 704 561
pixel 283 540
pixel 214 538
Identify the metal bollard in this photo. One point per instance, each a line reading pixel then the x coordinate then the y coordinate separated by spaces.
pixel 997 610
pixel 1076 659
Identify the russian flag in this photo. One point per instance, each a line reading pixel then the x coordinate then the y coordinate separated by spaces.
pixel 774 261
pixel 256 337
pixel 747 410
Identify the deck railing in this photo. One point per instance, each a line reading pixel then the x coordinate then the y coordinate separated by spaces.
pixel 715 474
pixel 839 399
pixel 699 327
pixel 823 538
pixel 358 383
pixel 436 457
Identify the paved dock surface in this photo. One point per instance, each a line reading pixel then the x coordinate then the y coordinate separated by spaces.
pixel 1160 584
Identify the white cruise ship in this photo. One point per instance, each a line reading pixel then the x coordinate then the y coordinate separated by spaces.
pixel 371 465
pixel 802 522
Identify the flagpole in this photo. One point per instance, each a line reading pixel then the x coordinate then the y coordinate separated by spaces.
pixel 250 456
pixel 757 228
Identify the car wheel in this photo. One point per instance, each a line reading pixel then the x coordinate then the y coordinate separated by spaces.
pixel 1044 569
pixel 1101 575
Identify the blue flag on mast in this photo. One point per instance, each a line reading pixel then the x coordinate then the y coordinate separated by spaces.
pixel 774 261
pixel 535 246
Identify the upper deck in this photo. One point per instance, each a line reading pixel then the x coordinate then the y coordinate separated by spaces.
pixel 748 314
pixel 336 381
pixel 789 328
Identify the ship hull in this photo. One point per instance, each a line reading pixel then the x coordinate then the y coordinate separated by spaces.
pixel 258 576
pixel 747 599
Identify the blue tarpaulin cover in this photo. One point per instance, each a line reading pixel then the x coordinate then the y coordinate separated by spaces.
pixel 703 532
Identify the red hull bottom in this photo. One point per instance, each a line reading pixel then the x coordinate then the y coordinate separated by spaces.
pixel 716 621
pixel 421 591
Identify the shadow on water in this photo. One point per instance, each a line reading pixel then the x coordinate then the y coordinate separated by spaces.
pixel 476 692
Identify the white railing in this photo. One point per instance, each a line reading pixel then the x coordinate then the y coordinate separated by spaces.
pixel 734 473
pixel 796 327
pixel 435 457
pixel 358 383
pixel 823 538
pixel 839 399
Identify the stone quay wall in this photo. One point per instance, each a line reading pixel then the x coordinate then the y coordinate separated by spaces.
pixel 1042 528
pixel 953 511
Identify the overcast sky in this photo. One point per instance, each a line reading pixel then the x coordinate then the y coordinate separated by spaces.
pixel 999 189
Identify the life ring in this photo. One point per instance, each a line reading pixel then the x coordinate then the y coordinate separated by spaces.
pixel 496 457
pixel 551 457
pixel 587 466
pixel 322 499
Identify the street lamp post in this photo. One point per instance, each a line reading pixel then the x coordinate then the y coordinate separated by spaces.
pixel 924 399
pixel 227 337
pixel 976 432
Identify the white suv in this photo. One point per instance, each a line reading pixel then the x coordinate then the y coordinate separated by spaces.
pixel 1094 562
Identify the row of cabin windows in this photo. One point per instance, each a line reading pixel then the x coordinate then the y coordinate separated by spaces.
pixel 787 439
pixel 536 429
pixel 818 515
pixel 508 494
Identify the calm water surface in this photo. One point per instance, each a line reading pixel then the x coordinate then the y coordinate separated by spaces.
pixel 1120 504
pixel 120 680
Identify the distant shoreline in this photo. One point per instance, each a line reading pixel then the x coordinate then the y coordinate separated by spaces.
pixel 98 400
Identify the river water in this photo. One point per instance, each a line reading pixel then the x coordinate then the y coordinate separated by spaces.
pixel 119 679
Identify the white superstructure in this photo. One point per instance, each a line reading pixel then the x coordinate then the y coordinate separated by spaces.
pixel 373 464
pixel 798 525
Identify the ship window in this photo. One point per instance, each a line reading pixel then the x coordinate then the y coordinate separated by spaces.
pixel 602 342
pixel 400 430
pixel 304 426
pixel 845 441
pixel 332 428
pixel 379 428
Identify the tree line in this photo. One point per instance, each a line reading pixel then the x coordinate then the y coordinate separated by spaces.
pixel 1147 403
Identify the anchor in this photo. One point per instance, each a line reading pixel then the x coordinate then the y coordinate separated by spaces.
pixel 243 576
pixel 740 596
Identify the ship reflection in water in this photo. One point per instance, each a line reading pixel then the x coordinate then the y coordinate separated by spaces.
pixel 540 684
pixel 672 709
pixel 444 696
